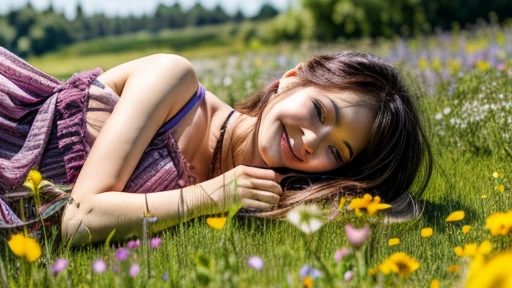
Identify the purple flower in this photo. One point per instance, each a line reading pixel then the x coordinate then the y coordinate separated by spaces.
pixel 99 266
pixel 357 237
pixel 255 262
pixel 307 270
pixel 133 244
pixel 122 254
pixel 59 265
pixel 134 270
pixel 152 219
pixel 165 277
pixel 338 256
pixel 348 275
pixel 155 242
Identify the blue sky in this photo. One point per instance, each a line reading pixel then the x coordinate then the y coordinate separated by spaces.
pixel 139 7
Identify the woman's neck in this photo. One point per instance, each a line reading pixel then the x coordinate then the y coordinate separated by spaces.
pixel 241 144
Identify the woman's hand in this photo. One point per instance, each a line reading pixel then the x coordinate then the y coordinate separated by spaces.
pixel 251 187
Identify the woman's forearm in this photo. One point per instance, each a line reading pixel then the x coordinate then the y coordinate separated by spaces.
pixel 94 218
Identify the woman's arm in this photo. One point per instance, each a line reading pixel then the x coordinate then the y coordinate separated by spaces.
pixel 97 216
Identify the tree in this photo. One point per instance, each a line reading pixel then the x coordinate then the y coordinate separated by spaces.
pixel 267 11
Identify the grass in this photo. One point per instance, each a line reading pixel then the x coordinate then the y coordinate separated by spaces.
pixel 461 181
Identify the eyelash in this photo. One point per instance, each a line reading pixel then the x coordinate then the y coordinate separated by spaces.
pixel 336 153
pixel 319 111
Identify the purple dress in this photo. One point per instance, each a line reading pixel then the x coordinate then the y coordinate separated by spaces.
pixel 43 126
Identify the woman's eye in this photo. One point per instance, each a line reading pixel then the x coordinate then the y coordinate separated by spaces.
pixel 319 111
pixel 337 154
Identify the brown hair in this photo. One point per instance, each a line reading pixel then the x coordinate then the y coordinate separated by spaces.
pixel 398 154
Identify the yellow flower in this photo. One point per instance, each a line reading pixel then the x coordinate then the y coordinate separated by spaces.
pixel 399 263
pixel 493 273
pixel 426 232
pixel 453 268
pixel 393 241
pixel 307 282
pixel 499 223
pixel 33 182
pixel 25 247
pixel 455 216
pixel 495 175
pixel 501 188
pixel 483 196
pixel 434 283
pixel 343 200
pixel 216 222
pixel 466 229
pixel 371 204
pixel 472 250
pixel 375 206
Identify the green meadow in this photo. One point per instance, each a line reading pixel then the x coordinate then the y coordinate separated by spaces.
pixel 462 83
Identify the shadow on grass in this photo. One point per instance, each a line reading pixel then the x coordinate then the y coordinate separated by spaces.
pixel 435 214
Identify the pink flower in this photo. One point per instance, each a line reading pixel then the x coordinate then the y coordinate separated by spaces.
pixel 133 244
pixel 134 270
pixel 99 266
pixel 255 262
pixel 348 275
pixel 122 254
pixel 155 242
pixel 59 265
pixel 357 237
pixel 338 256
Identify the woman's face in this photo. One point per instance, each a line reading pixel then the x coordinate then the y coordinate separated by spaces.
pixel 312 130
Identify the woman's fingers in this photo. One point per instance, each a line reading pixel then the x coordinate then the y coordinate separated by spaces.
pixel 258 195
pixel 249 203
pixel 259 184
pixel 259 173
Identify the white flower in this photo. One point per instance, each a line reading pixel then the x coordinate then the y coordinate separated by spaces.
pixel 438 116
pixel 308 218
pixel 447 110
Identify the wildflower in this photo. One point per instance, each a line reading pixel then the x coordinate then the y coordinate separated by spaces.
pixel 499 223
pixel 468 250
pixel 343 200
pixel 492 273
pixel 466 229
pixel 453 268
pixel 501 188
pixel 393 241
pixel 307 270
pixel 217 222
pixel 434 283
pixel 134 270
pixel 357 237
pixel 399 263
pixel 495 175
pixel 307 282
pixel 133 244
pixel 99 266
pixel 455 216
pixel 255 262
pixel 308 218
pixel 165 277
pixel 33 182
pixel 59 265
pixel 25 247
pixel 152 219
pixel 348 276
pixel 483 196
pixel 426 232
pixel 122 254
pixel 371 204
pixel 155 242
pixel 343 252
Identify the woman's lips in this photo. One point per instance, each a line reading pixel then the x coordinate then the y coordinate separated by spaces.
pixel 285 141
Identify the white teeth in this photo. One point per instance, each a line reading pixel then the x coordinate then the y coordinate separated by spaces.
pixel 291 142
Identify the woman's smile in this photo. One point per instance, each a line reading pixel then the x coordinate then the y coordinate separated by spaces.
pixel 286 145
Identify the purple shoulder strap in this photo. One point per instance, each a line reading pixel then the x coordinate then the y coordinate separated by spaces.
pixel 196 98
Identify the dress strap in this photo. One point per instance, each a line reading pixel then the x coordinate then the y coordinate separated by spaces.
pixel 196 98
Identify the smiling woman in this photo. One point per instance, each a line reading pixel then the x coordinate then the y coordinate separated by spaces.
pixel 146 137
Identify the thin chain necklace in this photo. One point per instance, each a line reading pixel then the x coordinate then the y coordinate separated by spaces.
pixel 218 147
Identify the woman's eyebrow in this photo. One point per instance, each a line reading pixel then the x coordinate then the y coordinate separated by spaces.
pixel 349 149
pixel 336 111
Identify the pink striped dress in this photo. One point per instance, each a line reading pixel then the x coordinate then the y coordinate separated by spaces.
pixel 45 125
